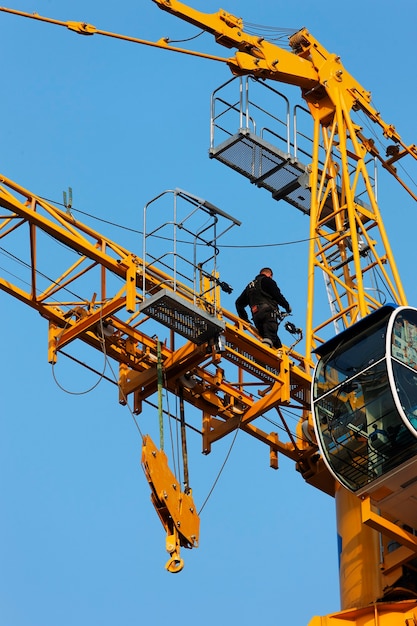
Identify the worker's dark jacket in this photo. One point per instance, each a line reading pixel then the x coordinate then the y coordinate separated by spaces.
pixel 260 293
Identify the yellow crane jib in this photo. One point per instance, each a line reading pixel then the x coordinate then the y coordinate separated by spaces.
pixel 364 407
pixel 83 28
pixel 175 508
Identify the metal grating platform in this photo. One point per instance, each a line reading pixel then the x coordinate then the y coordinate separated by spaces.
pixel 270 168
pixel 247 362
pixel 182 317
pixel 266 166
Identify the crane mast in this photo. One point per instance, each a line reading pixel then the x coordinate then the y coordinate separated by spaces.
pixel 348 245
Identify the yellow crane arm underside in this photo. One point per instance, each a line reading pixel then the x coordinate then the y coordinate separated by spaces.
pixel 331 94
pixel 60 298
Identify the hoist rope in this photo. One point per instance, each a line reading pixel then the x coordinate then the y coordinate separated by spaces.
pixel 221 468
pixel 175 455
pixel 133 416
pixel 184 441
pixel 160 388
pixel 181 420
pixel 122 393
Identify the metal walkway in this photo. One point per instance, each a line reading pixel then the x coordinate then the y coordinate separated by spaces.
pixel 270 149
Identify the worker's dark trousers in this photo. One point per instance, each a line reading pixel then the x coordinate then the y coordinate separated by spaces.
pixel 266 323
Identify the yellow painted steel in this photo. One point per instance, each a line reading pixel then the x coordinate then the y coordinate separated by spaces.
pixel 383 614
pixel 176 508
pixel 370 573
pixel 330 93
pixel 359 556
pixel 82 28
pixel 284 379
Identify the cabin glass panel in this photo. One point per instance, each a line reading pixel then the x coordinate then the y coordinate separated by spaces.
pixel 365 398
pixel 404 364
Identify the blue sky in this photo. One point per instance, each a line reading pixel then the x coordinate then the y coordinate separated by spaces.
pixel 80 543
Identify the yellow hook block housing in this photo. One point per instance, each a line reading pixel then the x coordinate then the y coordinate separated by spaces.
pixel 175 508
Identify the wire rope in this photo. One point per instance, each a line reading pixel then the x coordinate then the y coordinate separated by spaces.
pixel 100 376
pixel 175 456
pixel 221 468
pixel 139 232
pixel 271 33
pixel 371 129
pixel 169 40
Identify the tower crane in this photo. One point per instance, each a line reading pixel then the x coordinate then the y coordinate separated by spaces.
pixel 354 387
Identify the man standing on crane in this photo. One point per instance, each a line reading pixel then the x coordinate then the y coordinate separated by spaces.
pixel 263 296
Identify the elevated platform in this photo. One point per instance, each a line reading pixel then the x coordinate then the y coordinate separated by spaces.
pixel 268 167
pixel 181 316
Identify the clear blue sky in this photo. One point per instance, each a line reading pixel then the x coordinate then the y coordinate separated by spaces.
pixel 80 544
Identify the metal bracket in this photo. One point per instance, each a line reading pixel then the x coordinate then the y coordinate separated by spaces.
pixel 175 509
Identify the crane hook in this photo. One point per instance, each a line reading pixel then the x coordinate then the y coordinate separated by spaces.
pixel 175 562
